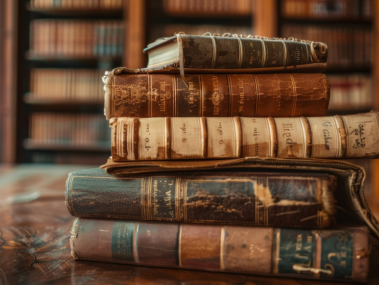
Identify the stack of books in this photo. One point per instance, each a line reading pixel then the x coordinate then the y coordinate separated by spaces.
pixel 222 161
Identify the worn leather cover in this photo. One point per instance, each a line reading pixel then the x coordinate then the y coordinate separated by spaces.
pixel 350 177
pixel 330 254
pixel 240 52
pixel 216 95
pixel 250 198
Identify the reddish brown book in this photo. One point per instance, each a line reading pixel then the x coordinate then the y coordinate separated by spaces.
pixel 337 254
pixel 128 94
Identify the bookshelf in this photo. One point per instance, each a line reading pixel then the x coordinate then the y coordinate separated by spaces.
pixel 64 49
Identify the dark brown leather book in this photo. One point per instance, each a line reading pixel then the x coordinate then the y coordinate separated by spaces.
pixel 237 198
pixel 350 136
pixel 233 52
pixel 337 254
pixel 128 94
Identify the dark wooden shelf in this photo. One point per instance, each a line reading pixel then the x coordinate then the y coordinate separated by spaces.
pixel 87 11
pixel 358 69
pixel 326 20
pixel 28 98
pixel 191 14
pixel 57 58
pixel 31 145
pixel 348 111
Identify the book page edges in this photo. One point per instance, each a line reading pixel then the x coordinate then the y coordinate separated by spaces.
pixel 312 67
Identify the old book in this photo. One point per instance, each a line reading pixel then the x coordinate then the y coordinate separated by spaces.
pixel 338 254
pixel 259 54
pixel 239 198
pixel 349 195
pixel 351 136
pixel 128 94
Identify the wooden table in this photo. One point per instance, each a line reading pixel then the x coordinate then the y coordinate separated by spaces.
pixel 34 240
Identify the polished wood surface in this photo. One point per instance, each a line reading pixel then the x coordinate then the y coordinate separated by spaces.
pixel 34 240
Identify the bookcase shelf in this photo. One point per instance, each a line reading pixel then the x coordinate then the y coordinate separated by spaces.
pixel 223 16
pixel 342 112
pixel 31 145
pixel 327 21
pixel 69 102
pixel 68 58
pixel 346 70
pixel 77 12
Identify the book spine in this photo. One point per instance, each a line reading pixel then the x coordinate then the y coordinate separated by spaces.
pixel 217 95
pixel 291 200
pixel 351 136
pixel 234 52
pixel 325 254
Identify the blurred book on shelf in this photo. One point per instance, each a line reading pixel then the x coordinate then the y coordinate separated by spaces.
pixel 349 46
pixel 60 85
pixel 86 38
pixel 76 4
pixel 171 30
pixel 353 92
pixel 64 158
pixel 49 130
pixel 212 7
pixel 327 9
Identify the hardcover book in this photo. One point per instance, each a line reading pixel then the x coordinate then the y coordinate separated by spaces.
pixel 238 198
pixel 337 254
pixel 134 93
pixel 232 52
pixel 351 136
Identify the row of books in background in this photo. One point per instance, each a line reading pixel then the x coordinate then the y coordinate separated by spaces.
pixel 327 8
pixel 348 46
pixel 66 84
pixel 352 92
pixel 77 130
pixel 170 30
pixel 217 7
pixel 75 4
pixel 76 37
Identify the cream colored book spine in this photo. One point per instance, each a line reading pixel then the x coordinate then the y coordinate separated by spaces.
pixel 351 136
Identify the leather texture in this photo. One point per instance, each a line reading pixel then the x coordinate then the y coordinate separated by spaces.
pixel 350 177
pixel 216 95
pixel 245 197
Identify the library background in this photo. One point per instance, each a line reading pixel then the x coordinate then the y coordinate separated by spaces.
pixel 54 53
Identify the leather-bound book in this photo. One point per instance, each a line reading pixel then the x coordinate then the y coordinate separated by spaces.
pixel 239 198
pixel 130 93
pixel 351 136
pixel 335 254
pixel 248 54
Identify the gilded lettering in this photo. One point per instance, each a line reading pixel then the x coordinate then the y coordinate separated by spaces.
pixel 155 197
pixel 241 95
pixel 299 241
